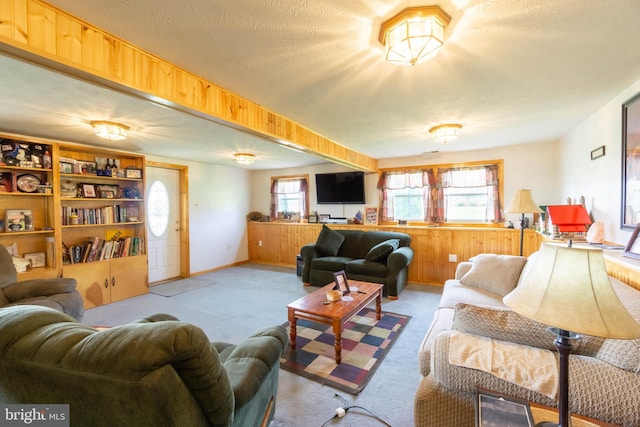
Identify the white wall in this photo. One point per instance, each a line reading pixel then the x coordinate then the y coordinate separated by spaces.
pixel 218 206
pixel 533 166
pixel 599 180
pixel 261 181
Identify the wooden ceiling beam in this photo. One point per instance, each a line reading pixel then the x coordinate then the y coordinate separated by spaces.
pixel 42 34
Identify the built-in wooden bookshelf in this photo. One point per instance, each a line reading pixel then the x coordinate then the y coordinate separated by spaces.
pixel 87 218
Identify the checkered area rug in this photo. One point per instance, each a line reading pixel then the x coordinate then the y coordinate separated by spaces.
pixel 365 343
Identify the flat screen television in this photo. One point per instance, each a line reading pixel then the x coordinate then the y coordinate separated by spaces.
pixel 340 188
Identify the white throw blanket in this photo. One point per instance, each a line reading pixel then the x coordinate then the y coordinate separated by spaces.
pixel 529 367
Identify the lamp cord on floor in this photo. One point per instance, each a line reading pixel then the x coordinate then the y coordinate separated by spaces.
pixel 343 410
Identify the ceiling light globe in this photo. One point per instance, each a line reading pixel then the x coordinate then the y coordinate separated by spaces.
pixel 110 130
pixel 244 158
pixel 445 133
pixel 414 35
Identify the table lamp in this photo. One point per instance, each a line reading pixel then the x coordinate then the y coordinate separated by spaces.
pixel 568 289
pixel 523 204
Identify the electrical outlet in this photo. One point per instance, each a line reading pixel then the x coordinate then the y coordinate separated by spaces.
pixel 453 258
pixel 259 242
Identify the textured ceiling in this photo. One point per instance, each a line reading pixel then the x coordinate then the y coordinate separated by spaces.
pixel 511 72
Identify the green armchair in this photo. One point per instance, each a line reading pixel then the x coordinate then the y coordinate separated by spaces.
pixel 158 371
pixel 57 293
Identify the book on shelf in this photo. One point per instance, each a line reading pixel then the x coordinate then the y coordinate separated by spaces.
pixel 97 249
pixel 112 214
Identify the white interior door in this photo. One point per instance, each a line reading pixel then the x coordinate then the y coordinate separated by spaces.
pixel 163 223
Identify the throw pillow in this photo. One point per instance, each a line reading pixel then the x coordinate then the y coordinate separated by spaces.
pixel 494 273
pixel 329 241
pixel 506 325
pixel 501 324
pixel 382 250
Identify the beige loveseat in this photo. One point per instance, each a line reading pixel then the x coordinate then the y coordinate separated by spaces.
pixel 604 377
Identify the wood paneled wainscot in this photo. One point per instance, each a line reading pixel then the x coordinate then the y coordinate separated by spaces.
pixel 279 243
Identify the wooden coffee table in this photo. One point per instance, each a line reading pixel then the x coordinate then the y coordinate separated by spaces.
pixel 335 313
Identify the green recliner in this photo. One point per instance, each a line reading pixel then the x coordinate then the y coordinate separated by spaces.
pixel 154 372
pixel 56 293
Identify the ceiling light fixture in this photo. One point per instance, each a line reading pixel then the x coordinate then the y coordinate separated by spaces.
pixel 414 35
pixel 445 133
pixel 244 158
pixel 110 130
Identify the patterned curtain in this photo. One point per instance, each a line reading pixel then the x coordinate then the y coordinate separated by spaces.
pixel 273 209
pixel 298 186
pixel 493 199
pixel 304 190
pixel 447 177
pixel 397 180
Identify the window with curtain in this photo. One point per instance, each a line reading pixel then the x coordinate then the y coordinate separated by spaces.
pixel 460 194
pixel 405 194
pixel 289 194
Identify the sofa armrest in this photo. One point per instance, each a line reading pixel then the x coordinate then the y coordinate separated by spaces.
pixel 39 288
pixel 399 259
pixel 251 361
pixel 462 269
pixel 308 253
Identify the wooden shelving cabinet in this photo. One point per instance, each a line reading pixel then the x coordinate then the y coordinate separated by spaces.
pixel 36 234
pixel 90 222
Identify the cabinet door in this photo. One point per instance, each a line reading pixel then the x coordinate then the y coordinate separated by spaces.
pixel 94 282
pixel 129 277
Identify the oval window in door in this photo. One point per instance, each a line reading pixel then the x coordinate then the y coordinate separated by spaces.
pixel 158 208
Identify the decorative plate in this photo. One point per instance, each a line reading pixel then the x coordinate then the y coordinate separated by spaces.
pixel 28 183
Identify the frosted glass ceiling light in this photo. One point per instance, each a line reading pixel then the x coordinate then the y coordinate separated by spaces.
pixel 110 130
pixel 414 35
pixel 244 158
pixel 445 133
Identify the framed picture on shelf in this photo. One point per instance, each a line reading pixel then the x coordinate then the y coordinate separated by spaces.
pixel 66 167
pixel 135 173
pixel 88 190
pixel 323 218
pixel 108 191
pixel 6 182
pixel 371 215
pixel 19 220
pixel 36 259
pixel 496 409
pixel 85 168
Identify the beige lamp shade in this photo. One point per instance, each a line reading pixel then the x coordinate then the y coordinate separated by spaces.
pixel 569 288
pixel 523 203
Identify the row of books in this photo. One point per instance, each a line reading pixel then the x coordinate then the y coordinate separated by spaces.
pixel 97 249
pixel 104 215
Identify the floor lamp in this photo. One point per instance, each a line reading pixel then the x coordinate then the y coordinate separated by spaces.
pixel 568 288
pixel 523 204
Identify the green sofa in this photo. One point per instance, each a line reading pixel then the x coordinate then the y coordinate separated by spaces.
pixel 370 256
pixel 154 372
